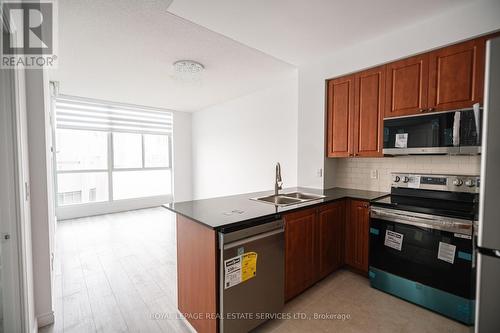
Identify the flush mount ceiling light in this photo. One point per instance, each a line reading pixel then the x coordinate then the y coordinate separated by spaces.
pixel 188 67
pixel 188 72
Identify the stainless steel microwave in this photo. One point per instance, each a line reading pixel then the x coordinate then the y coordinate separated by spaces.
pixel 456 132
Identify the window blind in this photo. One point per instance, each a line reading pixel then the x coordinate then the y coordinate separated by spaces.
pixel 79 113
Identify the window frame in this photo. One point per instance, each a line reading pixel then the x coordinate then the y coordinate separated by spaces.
pixel 110 158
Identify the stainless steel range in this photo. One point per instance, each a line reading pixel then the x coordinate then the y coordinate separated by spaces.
pixel 422 242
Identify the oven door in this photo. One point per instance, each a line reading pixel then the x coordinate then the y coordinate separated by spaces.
pixel 431 250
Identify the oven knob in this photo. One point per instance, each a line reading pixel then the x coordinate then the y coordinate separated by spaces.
pixel 470 183
pixel 458 182
pixel 406 179
pixel 396 179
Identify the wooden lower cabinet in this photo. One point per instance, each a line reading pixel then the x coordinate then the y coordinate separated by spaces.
pixel 300 260
pixel 331 219
pixel 356 235
pixel 314 245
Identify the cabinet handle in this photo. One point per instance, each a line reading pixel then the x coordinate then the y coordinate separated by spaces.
pixel 422 110
pixel 430 110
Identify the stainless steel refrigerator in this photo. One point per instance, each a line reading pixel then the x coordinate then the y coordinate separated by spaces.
pixel 488 242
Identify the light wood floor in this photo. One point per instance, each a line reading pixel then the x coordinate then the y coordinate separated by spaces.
pixel 114 271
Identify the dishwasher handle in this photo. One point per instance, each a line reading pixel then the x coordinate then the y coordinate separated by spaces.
pixel 253 238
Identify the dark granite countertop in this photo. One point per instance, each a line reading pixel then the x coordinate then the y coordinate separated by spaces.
pixel 223 212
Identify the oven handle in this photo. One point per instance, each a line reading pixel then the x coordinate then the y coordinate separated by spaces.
pixel 423 220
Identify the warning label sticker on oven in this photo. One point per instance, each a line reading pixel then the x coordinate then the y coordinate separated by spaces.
pixel 239 269
pixel 446 252
pixel 393 240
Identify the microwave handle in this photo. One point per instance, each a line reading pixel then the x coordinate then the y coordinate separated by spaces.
pixel 456 129
pixel 477 118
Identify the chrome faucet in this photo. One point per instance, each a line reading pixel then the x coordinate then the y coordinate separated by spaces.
pixel 278 183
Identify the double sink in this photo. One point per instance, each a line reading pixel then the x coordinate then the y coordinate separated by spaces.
pixel 287 199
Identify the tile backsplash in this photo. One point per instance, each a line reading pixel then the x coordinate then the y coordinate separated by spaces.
pixel 357 172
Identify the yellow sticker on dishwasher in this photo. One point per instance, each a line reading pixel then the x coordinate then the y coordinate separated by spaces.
pixel 248 265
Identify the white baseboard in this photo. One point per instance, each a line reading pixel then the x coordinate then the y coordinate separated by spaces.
pixel 45 319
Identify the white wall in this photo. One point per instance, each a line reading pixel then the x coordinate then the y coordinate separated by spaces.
pixel 478 18
pixel 237 144
pixel 183 187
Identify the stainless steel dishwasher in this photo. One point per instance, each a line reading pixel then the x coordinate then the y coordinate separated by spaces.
pixel 251 280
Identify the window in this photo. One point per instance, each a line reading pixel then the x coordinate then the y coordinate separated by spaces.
pixel 127 150
pixel 81 150
pixel 108 151
pixel 134 184
pixel 156 151
pixel 82 187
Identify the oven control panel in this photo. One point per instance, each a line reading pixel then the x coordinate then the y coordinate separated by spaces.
pixel 452 183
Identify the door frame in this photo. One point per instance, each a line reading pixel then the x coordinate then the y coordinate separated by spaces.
pixel 15 210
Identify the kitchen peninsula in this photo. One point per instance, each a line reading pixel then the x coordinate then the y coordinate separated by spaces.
pixel 320 236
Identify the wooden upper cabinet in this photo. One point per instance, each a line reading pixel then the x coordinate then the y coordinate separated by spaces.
pixel 407 84
pixel 300 250
pixel 340 107
pixel 369 96
pixel 331 237
pixel 456 75
pixel 446 79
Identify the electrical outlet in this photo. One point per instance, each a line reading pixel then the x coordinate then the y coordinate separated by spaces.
pixel 374 174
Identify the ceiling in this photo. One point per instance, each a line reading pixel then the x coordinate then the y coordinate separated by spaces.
pixel 299 31
pixel 123 50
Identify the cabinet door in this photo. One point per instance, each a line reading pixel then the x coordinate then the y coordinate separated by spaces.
pixel 300 250
pixel 331 237
pixel 407 83
pixel 457 75
pixel 357 226
pixel 369 112
pixel 340 107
